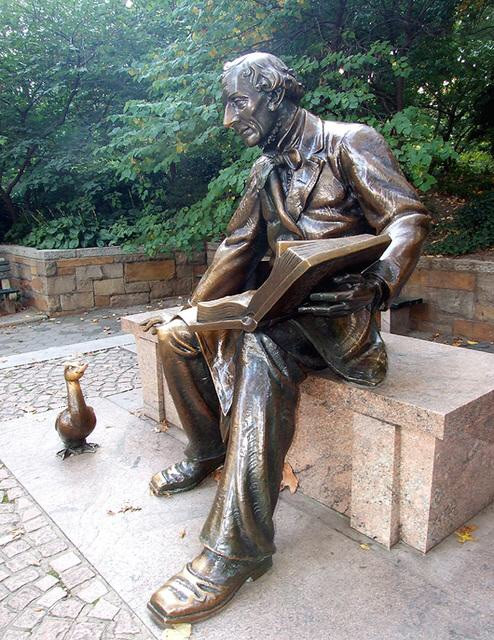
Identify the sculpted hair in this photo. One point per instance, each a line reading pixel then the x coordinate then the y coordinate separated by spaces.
pixel 267 73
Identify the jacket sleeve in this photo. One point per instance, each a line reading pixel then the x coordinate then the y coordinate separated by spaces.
pixel 389 203
pixel 238 255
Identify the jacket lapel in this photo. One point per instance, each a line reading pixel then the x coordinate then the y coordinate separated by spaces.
pixel 304 179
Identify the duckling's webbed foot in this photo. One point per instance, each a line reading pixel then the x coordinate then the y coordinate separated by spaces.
pixel 86 447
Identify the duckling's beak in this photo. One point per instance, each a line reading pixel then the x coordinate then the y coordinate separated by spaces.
pixel 82 368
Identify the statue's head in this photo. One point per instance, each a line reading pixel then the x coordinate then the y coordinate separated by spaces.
pixel 256 89
pixel 74 370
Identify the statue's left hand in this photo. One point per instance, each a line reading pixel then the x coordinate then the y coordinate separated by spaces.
pixel 352 293
pixel 152 324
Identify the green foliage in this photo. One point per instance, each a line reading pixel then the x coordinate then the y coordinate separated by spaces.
pixel 471 174
pixel 471 229
pixel 113 113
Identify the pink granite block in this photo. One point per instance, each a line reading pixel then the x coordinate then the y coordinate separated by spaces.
pixel 417 452
pixel 151 379
pixel 375 479
pixel 462 484
pixel 321 452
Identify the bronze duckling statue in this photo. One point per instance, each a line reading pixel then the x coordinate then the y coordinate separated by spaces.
pixel 75 423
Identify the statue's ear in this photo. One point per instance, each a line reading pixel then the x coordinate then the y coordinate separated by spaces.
pixel 276 98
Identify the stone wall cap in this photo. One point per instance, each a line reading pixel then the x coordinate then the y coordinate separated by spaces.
pixel 456 264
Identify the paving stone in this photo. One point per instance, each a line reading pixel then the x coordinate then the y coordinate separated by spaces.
pixel 7 507
pixel 51 629
pixel 46 582
pixel 68 608
pixel 23 503
pixel 46 534
pixel 8 483
pixel 15 548
pixel 87 631
pixel 74 577
pixel 6 616
pixel 14 493
pixel 3 573
pixel 29 618
pixel 104 610
pixel 9 518
pixel 51 597
pixel 22 598
pixel 126 623
pixel 16 634
pixel 3 592
pixel 30 558
pixel 21 579
pixel 9 537
pixel 29 513
pixel 35 524
pixel 52 548
pixel 64 562
pixel 90 593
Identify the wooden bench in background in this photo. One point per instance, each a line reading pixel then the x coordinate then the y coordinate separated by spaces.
pixel 411 460
pixel 8 294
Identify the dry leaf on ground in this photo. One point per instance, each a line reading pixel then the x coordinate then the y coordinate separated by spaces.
pixel 178 632
pixel 364 546
pixel 289 479
pixel 464 534
pixel 472 342
pixel 182 534
pixel 217 474
pixel 126 507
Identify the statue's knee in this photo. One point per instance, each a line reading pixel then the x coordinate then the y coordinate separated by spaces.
pixel 177 337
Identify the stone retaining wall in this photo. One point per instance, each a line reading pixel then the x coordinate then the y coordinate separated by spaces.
pixel 459 297
pixel 75 279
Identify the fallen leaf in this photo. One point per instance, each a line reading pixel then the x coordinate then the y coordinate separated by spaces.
pixel 472 342
pixel 289 479
pixel 126 507
pixel 364 546
pixel 164 426
pixel 464 534
pixel 217 474
pixel 178 632
pixel 457 342
pixel 182 534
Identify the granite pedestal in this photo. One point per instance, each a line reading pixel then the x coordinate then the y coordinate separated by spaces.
pixel 411 460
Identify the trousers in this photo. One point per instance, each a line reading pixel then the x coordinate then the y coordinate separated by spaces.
pixel 269 367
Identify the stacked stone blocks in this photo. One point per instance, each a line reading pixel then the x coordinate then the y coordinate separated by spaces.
pixel 458 294
pixel 69 280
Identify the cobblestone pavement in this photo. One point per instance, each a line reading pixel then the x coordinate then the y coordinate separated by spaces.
pixel 80 327
pixel 48 591
pixel 40 386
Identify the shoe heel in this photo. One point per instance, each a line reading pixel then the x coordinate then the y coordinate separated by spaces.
pixel 261 569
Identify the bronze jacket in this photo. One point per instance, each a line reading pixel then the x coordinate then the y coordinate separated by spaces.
pixel 329 179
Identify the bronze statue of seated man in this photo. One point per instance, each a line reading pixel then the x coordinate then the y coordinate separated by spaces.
pixel 236 393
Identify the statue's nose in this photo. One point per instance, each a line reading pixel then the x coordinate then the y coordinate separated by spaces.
pixel 230 116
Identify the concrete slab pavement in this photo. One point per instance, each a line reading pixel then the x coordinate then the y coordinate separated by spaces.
pixel 325 585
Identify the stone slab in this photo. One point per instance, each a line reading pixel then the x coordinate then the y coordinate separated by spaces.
pixel 52 353
pixel 324 585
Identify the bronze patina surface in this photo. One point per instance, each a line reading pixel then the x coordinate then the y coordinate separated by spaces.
pixel 236 393
pixel 77 422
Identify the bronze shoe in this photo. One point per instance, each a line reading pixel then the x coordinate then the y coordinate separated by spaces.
pixel 183 475
pixel 203 587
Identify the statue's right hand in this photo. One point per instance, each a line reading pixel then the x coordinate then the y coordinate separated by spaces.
pixel 152 324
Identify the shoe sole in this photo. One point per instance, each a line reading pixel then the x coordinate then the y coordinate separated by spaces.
pixel 163 620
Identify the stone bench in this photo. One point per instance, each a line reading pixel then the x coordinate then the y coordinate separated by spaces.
pixel 411 460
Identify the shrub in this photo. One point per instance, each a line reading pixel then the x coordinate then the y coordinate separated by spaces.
pixel 471 229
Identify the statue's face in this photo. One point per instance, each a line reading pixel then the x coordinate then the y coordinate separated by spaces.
pixel 247 110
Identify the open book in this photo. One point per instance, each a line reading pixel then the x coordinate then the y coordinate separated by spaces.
pixel 300 268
